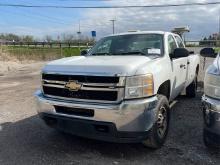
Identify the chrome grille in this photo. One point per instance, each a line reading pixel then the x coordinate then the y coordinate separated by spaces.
pixel 93 88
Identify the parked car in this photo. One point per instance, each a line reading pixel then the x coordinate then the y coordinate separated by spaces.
pixel 211 100
pixel 121 89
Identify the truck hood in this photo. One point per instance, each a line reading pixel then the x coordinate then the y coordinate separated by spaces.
pixel 97 65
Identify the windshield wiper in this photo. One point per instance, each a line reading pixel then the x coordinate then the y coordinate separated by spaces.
pixel 100 54
pixel 123 53
pixel 133 52
pixel 154 56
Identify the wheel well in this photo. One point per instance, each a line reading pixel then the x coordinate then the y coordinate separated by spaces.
pixel 197 69
pixel 164 89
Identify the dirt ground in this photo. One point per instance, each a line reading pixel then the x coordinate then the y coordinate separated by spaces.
pixel 25 139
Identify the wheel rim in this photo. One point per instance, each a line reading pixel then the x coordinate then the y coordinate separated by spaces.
pixel 162 122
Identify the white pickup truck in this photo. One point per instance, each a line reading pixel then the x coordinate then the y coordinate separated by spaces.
pixel 211 100
pixel 121 89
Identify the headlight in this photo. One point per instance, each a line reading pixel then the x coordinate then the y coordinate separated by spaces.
pixel 213 69
pixel 139 86
pixel 212 85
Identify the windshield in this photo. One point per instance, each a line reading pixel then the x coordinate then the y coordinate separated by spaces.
pixel 132 44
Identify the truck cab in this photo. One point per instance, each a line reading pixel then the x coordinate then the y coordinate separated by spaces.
pixel 120 89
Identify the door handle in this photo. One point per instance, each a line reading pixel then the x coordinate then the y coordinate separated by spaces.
pixel 182 66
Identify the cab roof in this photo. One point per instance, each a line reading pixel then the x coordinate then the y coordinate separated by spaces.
pixel 141 32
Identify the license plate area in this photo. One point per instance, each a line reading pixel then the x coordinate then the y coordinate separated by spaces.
pixel 75 111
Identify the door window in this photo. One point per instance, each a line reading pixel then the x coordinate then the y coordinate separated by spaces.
pixel 171 44
pixel 179 42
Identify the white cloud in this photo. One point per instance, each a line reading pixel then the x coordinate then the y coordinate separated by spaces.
pixel 203 20
pixel 40 33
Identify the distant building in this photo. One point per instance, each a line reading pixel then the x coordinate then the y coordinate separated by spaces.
pixel 215 36
pixel 2 41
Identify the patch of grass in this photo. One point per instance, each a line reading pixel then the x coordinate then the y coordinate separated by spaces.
pixel 40 53
pixel 67 52
pixel 217 49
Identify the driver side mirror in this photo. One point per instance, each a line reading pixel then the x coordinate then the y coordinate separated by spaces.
pixel 180 52
pixel 83 52
pixel 208 52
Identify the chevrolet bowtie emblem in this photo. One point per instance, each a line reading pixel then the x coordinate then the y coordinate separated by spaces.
pixel 73 86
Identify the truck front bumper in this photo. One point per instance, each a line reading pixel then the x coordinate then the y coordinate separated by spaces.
pixel 211 114
pixel 129 121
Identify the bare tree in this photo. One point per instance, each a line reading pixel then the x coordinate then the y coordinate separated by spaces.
pixel 48 38
pixel 27 38
pixel 67 37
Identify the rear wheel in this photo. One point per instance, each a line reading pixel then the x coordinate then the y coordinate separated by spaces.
pixel 158 132
pixel 192 88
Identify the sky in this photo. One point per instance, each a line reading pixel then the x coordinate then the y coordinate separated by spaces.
pixel 202 20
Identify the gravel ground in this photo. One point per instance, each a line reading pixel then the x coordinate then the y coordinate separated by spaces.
pixel 24 139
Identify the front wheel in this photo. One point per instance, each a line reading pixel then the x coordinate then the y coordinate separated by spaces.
pixel 158 132
pixel 207 141
pixel 192 88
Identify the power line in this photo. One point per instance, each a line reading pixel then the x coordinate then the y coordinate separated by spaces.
pixel 108 7
pixel 38 14
pixel 41 18
pixel 86 0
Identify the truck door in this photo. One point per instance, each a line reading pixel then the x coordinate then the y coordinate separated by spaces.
pixel 179 69
pixel 189 75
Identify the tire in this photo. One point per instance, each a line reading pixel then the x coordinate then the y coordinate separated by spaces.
pixel 50 122
pixel 192 88
pixel 158 133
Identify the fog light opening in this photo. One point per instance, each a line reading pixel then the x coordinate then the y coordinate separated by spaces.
pixel 101 128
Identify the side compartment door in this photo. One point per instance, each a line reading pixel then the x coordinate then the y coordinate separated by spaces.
pixel 179 69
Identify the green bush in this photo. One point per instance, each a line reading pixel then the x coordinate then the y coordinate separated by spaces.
pixel 67 52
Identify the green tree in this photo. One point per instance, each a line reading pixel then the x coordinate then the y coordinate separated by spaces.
pixel 28 38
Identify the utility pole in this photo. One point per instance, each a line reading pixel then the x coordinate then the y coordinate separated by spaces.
pixel 218 33
pixel 79 36
pixel 79 27
pixel 113 25
pixel 218 25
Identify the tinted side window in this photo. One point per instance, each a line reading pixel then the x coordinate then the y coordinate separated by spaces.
pixel 179 42
pixel 171 44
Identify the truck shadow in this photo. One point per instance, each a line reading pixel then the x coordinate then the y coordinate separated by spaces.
pixel 32 139
pixel 31 135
